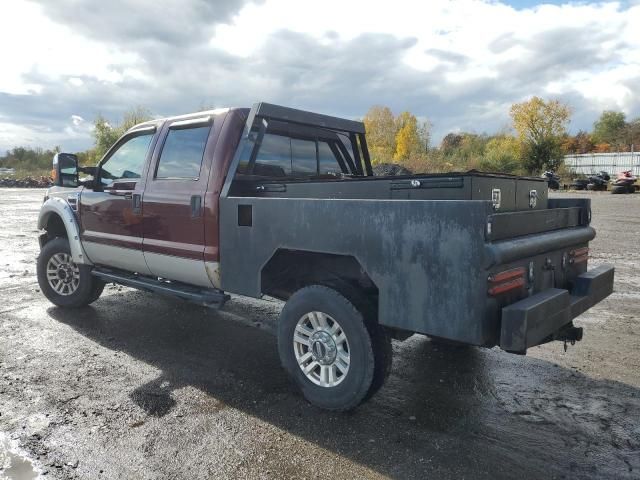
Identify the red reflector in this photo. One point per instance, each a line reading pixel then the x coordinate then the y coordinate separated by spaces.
pixel 579 255
pixel 505 287
pixel 579 252
pixel 580 259
pixel 507 275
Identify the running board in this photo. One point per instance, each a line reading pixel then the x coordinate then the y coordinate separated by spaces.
pixel 208 297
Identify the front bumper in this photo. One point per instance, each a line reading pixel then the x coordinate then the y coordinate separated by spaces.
pixel 536 319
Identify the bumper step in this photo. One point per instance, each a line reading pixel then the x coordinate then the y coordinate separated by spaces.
pixel 533 320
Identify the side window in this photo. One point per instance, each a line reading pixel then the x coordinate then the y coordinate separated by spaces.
pixel 127 161
pixel 303 157
pixel 327 161
pixel 274 156
pixel 182 153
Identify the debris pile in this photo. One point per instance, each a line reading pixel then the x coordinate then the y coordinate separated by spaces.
pixel 26 182
pixel 390 169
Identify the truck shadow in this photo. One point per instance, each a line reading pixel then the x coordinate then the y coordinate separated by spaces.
pixel 471 412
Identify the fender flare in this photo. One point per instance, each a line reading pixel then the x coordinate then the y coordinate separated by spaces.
pixel 60 207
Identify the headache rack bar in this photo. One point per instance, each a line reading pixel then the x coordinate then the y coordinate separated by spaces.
pixel 293 115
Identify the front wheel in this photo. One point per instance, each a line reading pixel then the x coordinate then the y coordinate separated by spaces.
pixel 63 282
pixel 334 353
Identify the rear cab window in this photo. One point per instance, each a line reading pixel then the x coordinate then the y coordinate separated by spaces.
pixel 274 156
pixel 289 152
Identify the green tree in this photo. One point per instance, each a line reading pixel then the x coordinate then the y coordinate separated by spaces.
pixel 502 154
pixel 106 134
pixel 609 128
pixel 541 126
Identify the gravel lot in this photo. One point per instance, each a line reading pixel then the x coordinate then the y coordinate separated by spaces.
pixel 138 386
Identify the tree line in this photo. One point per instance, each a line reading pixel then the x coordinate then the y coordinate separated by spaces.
pixel 536 140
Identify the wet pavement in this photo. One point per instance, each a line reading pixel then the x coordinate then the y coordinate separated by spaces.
pixel 139 386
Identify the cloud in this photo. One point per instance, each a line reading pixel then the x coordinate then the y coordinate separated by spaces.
pixel 460 64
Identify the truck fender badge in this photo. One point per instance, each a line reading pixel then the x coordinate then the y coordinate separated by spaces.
pixel 533 198
pixel 496 198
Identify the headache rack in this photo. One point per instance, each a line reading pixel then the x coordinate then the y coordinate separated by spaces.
pixel 263 114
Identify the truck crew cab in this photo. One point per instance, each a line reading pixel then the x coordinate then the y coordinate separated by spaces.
pixel 281 202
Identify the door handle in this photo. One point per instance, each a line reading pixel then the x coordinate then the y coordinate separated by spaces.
pixel 272 187
pixel 196 206
pixel 136 203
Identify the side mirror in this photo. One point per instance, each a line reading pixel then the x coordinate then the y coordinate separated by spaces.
pixel 65 170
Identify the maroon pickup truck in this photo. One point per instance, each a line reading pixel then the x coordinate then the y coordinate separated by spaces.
pixel 281 202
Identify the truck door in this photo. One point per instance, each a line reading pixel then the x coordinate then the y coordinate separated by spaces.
pixel 111 213
pixel 173 203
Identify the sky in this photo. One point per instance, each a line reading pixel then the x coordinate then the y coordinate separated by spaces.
pixel 460 64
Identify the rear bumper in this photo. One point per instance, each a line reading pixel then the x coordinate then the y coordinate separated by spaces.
pixel 536 319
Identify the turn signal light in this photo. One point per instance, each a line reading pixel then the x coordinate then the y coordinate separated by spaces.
pixel 506 281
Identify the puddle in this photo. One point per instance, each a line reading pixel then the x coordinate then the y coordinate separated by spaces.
pixel 13 465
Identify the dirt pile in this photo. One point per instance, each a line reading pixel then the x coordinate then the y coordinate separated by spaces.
pixel 26 182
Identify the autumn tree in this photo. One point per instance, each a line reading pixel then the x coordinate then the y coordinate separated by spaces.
pixel 380 125
pixel 408 142
pixel 540 126
pixel 450 142
pixel 580 143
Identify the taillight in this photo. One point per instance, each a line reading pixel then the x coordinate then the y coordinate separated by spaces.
pixel 579 255
pixel 506 281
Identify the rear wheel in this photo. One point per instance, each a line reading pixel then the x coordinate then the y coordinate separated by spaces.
pixel 62 281
pixel 334 353
pixel 618 189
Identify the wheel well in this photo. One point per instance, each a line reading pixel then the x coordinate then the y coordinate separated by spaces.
pixel 55 227
pixel 290 270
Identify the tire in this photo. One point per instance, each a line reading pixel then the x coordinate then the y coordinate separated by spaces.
pixel 96 290
pixel 80 291
pixel 618 189
pixel 554 185
pixel 367 346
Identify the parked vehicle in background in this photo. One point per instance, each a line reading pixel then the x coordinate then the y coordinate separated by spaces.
pixel 553 180
pixel 281 202
pixel 625 182
pixel 579 184
pixel 598 181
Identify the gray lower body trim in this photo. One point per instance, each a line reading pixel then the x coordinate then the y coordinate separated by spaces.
pixel 128 259
pixel 193 272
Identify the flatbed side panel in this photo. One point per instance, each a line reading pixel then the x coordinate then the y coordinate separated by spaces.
pixel 517 224
pixel 426 257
